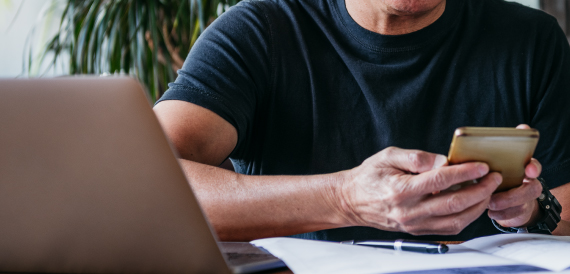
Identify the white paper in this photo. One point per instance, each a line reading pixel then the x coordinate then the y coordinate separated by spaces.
pixel 547 272
pixel 308 256
pixel 545 251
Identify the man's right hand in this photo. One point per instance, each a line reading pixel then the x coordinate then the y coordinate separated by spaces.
pixel 403 190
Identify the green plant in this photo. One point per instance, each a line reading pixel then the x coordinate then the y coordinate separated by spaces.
pixel 145 38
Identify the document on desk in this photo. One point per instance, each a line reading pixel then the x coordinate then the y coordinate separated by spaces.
pixel 509 253
pixel 545 251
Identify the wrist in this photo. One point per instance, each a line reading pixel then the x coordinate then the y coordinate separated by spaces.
pixel 343 198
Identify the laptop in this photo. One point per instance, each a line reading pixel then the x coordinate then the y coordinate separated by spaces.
pixel 90 183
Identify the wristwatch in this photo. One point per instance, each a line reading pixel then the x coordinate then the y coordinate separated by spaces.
pixel 550 209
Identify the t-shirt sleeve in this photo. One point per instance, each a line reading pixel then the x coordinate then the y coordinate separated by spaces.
pixel 552 114
pixel 229 67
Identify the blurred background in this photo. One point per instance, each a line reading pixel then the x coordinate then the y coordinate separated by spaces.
pixel 148 39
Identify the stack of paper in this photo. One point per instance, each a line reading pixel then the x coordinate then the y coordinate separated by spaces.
pixel 511 253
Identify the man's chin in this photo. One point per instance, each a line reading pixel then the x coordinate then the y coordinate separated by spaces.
pixel 413 7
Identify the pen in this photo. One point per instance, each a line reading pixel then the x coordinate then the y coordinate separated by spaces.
pixel 405 245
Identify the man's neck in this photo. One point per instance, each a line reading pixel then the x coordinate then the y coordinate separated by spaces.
pixel 394 17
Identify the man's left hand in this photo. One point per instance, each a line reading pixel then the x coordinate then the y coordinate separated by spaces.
pixel 518 207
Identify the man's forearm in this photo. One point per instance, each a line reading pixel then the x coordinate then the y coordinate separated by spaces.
pixel 242 207
pixel 563 228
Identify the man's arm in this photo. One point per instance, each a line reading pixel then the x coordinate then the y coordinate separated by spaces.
pixel 392 190
pixel 242 207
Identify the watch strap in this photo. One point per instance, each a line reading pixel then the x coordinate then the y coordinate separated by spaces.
pixel 551 210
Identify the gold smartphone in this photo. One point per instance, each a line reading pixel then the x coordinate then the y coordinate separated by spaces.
pixel 505 150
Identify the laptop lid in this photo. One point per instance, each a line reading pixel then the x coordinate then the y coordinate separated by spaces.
pixel 89 183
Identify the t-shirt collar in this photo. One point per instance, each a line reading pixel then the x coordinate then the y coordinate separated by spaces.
pixel 380 42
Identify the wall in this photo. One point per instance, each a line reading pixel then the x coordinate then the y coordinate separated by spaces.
pixel 530 3
pixel 18 18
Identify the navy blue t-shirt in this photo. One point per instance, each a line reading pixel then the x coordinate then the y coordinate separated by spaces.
pixel 311 92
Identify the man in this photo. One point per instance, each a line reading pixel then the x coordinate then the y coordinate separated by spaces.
pixel 337 116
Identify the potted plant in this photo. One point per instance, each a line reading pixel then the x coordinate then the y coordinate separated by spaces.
pixel 147 39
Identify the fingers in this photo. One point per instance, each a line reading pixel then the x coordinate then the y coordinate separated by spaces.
pixel 533 169
pixel 414 161
pixel 509 213
pixel 523 126
pixel 448 212
pixel 452 202
pixel 516 207
pixel 517 216
pixel 443 178
pixel 528 191
pixel 450 224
